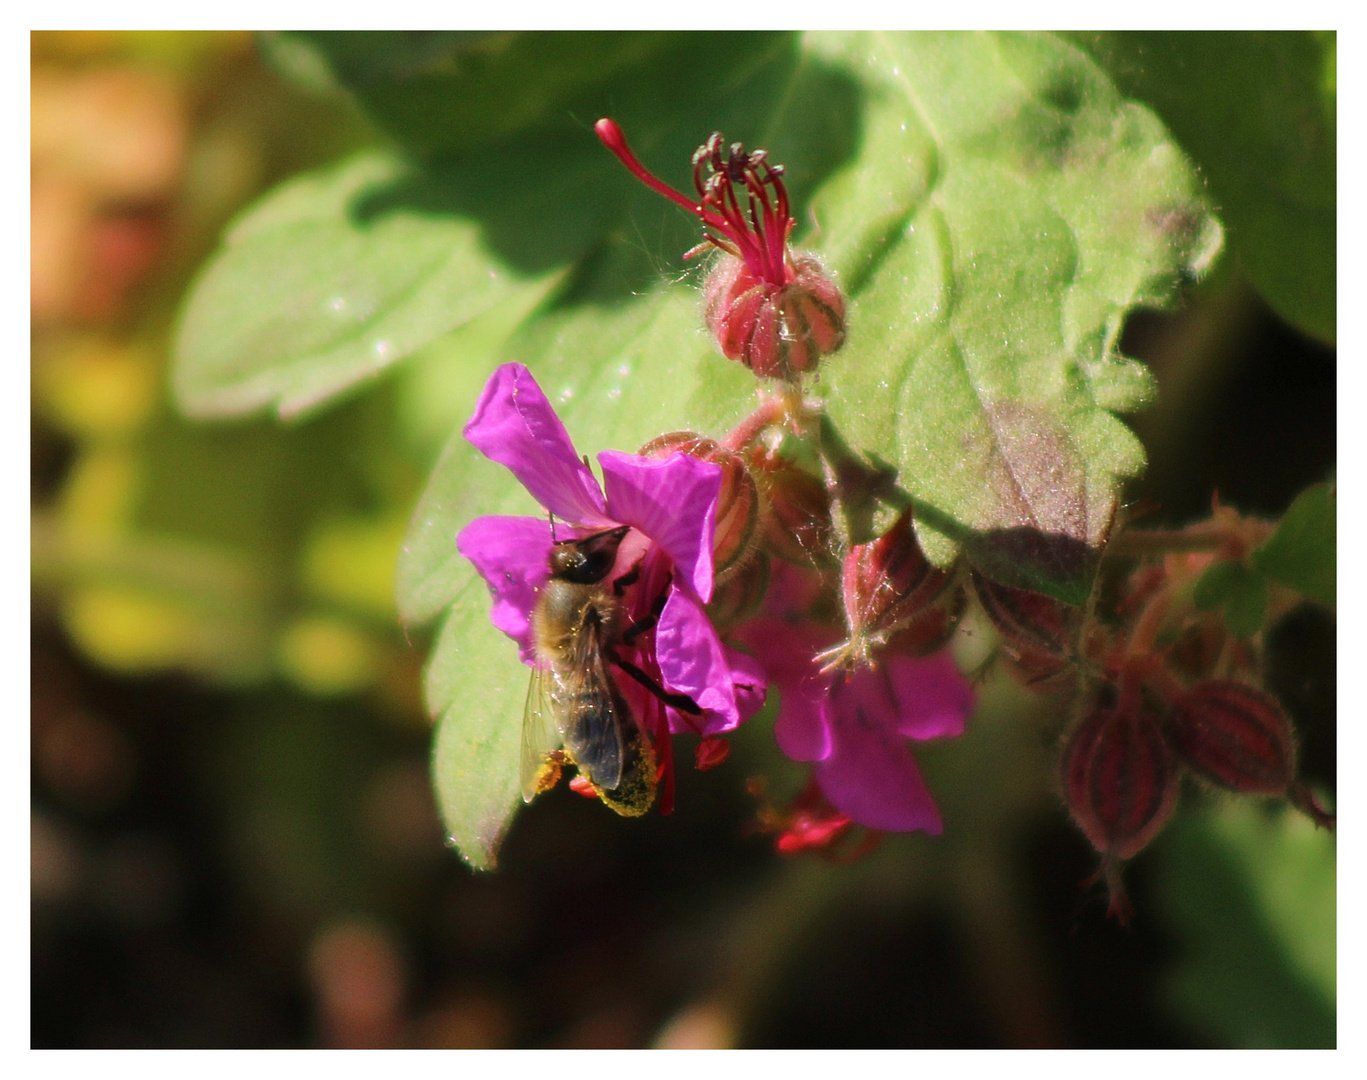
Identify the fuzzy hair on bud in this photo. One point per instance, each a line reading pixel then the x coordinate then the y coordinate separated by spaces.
pixel 1120 778
pixel 1235 736
pixel 797 520
pixel 888 588
pixel 777 331
pixel 887 581
pixel 1027 621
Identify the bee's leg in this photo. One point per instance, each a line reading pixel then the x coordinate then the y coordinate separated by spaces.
pixel 631 577
pixel 682 702
pixel 640 626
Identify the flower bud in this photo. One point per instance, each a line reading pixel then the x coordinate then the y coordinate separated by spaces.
pixel 773 309
pixel 797 518
pixel 1120 778
pixel 1028 621
pixel 1234 735
pixel 738 504
pixel 739 596
pixel 930 629
pixel 778 331
pixel 886 582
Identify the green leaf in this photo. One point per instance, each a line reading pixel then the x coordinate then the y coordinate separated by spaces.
pixel 1251 894
pixel 1302 553
pixel 993 209
pixel 1239 591
pixel 477 688
pixel 1036 209
pixel 439 91
pixel 1257 112
pixel 326 281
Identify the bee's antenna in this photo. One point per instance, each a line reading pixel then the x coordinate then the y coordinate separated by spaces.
pixel 552 517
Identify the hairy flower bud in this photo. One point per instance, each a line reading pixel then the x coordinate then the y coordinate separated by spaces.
pixel 797 518
pixel 888 588
pixel 887 581
pixel 777 331
pixel 930 629
pixel 1234 735
pixel 738 505
pixel 1120 778
pixel 1028 621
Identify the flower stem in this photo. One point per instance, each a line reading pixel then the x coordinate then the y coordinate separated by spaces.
pixel 1134 543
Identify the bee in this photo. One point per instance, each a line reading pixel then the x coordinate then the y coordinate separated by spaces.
pixel 576 713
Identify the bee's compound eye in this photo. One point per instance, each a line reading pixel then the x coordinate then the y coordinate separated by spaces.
pixel 565 558
pixel 587 561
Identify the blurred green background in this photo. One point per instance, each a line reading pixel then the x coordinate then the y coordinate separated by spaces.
pixel 234 841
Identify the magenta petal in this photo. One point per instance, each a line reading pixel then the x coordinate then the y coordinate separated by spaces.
pixel 871 775
pixel 801 729
pixel 785 652
pixel 932 698
pixel 747 682
pixel 673 501
pixel 512 555
pixel 515 425
pixel 693 661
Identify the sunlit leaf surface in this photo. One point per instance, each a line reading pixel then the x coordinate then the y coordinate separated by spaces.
pixel 324 283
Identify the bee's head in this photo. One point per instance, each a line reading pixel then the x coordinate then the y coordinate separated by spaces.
pixel 587 561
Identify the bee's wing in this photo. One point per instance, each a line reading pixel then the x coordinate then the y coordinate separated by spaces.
pixel 595 714
pixel 540 735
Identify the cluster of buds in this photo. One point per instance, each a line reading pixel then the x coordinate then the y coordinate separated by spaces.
pixel 1123 763
pixel 1173 692
pixel 775 310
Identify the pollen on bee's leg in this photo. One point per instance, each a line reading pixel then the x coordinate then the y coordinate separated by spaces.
pixel 548 775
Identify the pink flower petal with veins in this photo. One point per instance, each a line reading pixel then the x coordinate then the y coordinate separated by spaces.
pixel 872 777
pixel 515 425
pixel 856 727
pixel 693 661
pixel 512 556
pixel 671 500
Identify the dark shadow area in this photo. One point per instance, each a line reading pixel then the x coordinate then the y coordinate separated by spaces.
pixel 1302 670
pixel 874 979
pixel 1109 977
pixel 1252 420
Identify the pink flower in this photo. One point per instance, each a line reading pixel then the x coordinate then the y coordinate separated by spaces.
pixel 670 506
pixel 855 728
